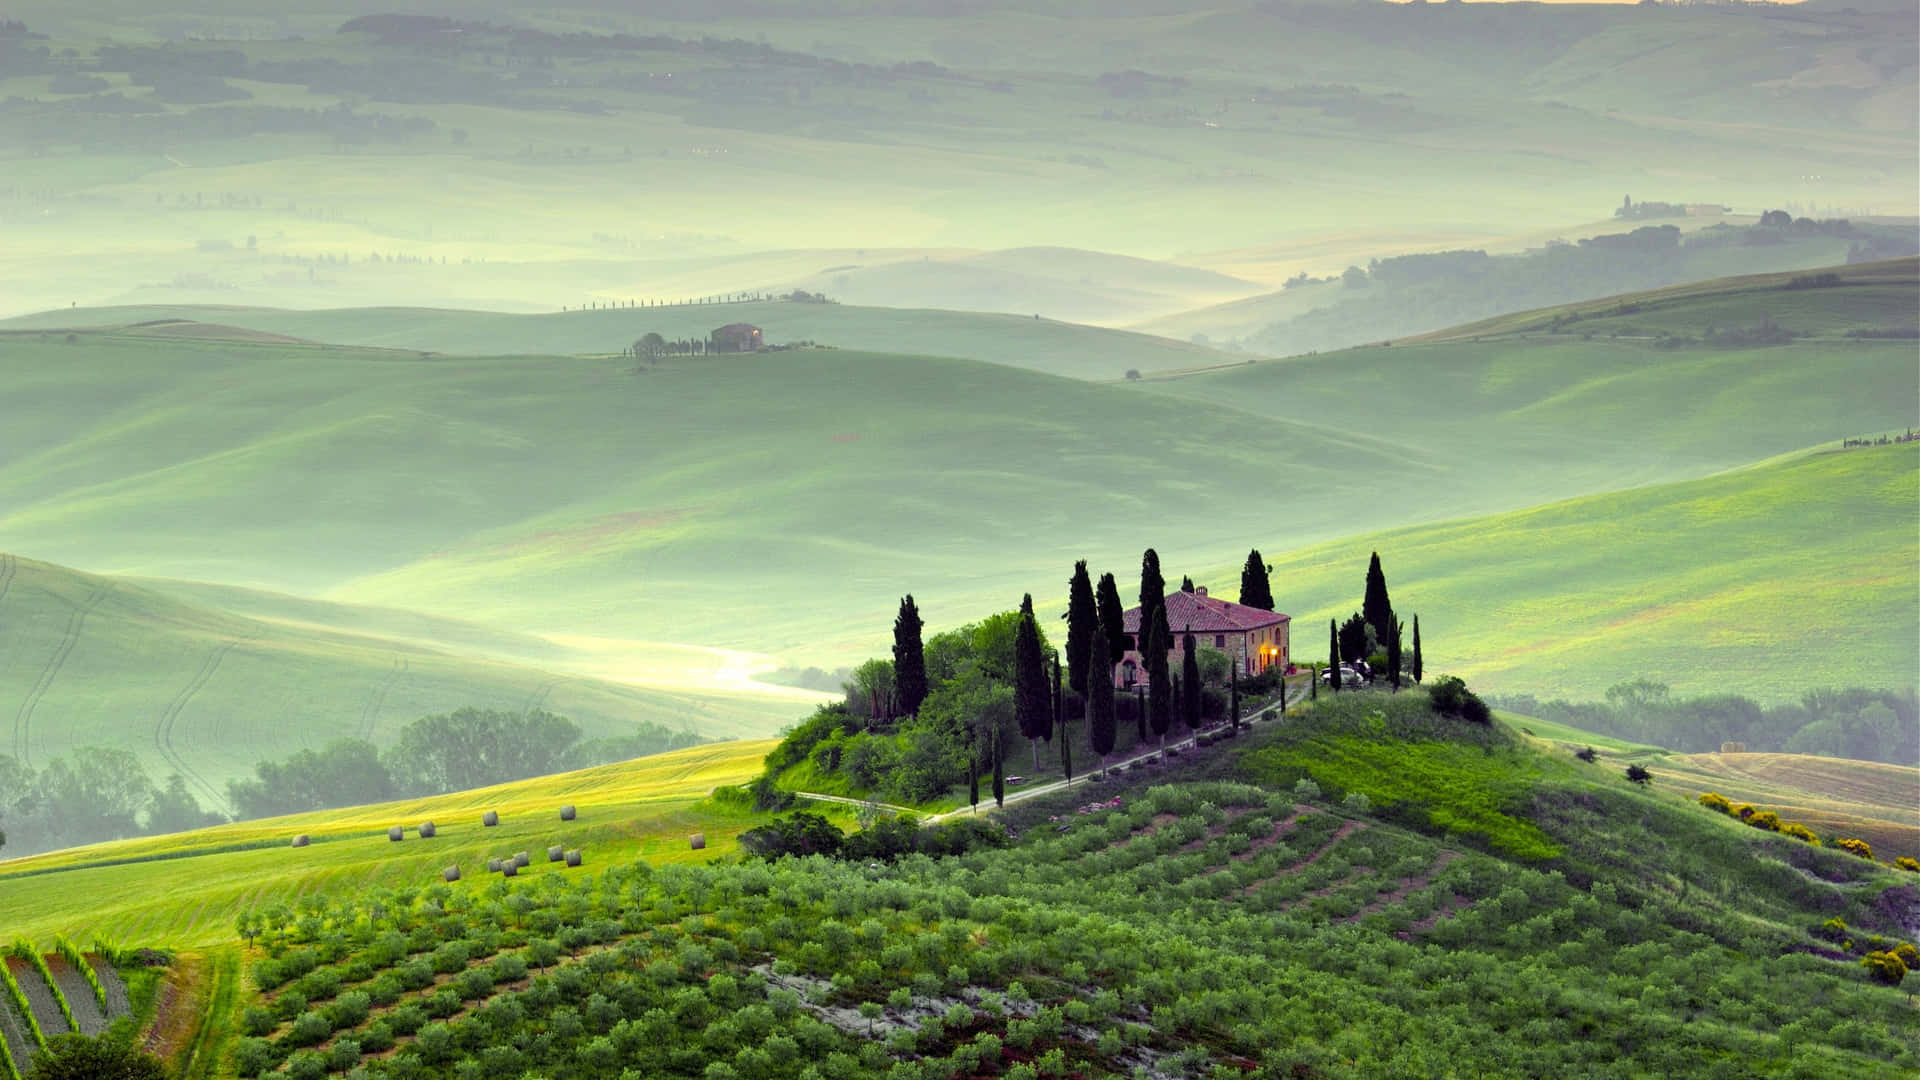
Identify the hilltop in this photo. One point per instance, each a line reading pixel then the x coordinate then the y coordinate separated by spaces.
pixel 1450 896
pixel 201 690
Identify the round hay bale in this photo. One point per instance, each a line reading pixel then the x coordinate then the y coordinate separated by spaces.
pixel 566 813
pixel 556 853
pixel 573 858
pixel 698 841
pixel 493 865
pixel 510 870
pixel 520 858
pixel 426 830
pixel 451 873
pixel 301 840
pixel 396 834
pixel 490 819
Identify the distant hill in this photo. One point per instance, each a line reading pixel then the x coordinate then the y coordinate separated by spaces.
pixel 1022 341
pixel 88 660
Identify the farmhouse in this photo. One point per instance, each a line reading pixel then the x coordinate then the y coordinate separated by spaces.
pixel 1253 639
pixel 734 337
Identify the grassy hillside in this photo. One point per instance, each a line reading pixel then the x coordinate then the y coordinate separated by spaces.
pixel 1832 796
pixel 1215 913
pixel 1017 340
pixel 634 810
pixel 206 692
pixel 1763 581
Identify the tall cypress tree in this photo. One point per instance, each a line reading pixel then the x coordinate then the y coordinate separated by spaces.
pixel 1417 672
pixel 1376 607
pixel 1393 655
pixel 1233 695
pixel 1060 725
pixel 1083 621
pixel 1031 711
pixel 909 661
pixel 1186 584
pixel 1190 684
pixel 1100 718
pixel 999 771
pixel 1159 684
pixel 1333 652
pixel 1153 587
pixel 1256 588
pixel 973 781
pixel 1113 622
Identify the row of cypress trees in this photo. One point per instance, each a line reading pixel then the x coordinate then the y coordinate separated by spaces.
pixel 1376 610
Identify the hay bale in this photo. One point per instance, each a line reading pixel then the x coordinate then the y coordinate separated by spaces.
pixel 451 873
pixel 426 830
pixel 490 819
pixel 493 865
pixel 556 853
pixel 301 840
pixel 520 858
pixel 510 870
pixel 698 841
pixel 567 813
pixel 396 834
pixel 573 858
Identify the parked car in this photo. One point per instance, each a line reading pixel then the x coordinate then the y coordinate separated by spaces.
pixel 1348 677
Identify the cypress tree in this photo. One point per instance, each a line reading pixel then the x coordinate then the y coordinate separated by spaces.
pixel 973 782
pixel 1256 588
pixel 1060 723
pixel 1113 623
pixel 1233 695
pixel 1031 711
pixel 1393 655
pixel 1159 685
pixel 1377 609
pixel 1417 672
pixel 1100 718
pixel 1333 653
pixel 999 772
pixel 1186 584
pixel 909 661
pixel 1153 587
pixel 1190 685
pixel 1083 621
pixel 1313 682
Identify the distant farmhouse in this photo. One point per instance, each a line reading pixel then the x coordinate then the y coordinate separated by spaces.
pixel 1252 638
pixel 735 337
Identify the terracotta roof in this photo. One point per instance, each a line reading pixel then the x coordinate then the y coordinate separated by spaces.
pixel 1208 615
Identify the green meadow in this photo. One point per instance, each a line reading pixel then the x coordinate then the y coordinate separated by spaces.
pixel 182 891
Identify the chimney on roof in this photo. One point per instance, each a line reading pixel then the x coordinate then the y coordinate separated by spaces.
pixel 1200 590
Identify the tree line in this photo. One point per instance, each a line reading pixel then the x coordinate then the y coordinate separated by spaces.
pixel 434 755
pixel 1859 723
pixel 93 794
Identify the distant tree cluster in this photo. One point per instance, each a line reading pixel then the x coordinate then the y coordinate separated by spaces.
pixel 1859 723
pixel 455 751
pixel 90 795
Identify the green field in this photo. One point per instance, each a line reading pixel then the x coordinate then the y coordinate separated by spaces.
pixel 183 890
pixel 1763 581
pixel 205 692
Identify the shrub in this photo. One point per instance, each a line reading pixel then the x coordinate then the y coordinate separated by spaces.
pixel 1586 754
pixel 1743 811
pixel 1833 929
pixel 1909 863
pixel 1885 967
pixel 77 1057
pixel 257 1021
pixel 1639 775
pixel 1855 846
pixel 1799 832
pixel 1306 789
pixel 251 1057
pixel 1716 802
pixel 1450 697
pixel 1765 819
pixel 1356 802
pixel 310 1028
pixel 1908 955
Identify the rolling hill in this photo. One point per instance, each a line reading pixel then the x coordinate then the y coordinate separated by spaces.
pixel 206 692
pixel 1762 581
pixel 1058 348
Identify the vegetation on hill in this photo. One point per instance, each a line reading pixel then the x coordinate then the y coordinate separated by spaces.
pixel 1182 921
